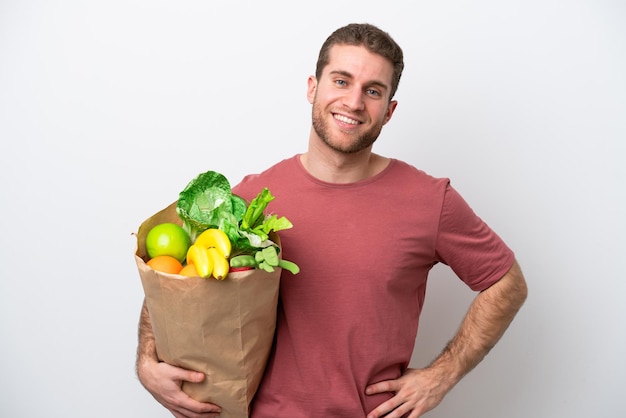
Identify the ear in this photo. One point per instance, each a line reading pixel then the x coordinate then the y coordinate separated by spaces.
pixel 311 89
pixel 390 109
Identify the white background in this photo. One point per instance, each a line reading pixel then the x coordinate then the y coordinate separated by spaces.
pixel 109 108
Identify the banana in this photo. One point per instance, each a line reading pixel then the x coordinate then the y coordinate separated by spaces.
pixel 217 238
pixel 220 263
pixel 199 257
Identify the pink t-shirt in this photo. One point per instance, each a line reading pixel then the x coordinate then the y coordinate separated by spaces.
pixel 350 318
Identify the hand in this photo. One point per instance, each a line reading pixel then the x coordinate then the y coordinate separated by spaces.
pixel 164 382
pixel 415 393
pixel 420 390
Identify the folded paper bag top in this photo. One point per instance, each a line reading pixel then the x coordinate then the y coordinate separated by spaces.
pixel 223 328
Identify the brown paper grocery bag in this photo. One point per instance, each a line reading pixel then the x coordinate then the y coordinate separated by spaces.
pixel 223 328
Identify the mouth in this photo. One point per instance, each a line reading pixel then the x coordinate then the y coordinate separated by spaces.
pixel 345 119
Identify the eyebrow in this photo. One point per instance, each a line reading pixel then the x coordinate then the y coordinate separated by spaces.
pixel 369 83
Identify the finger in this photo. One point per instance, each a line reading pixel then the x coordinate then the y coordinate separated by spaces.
pixel 191 376
pixel 187 407
pixel 191 407
pixel 385 408
pixel 181 412
pixel 401 411
pixel 380 387
pixel 184 374
pixel 193 415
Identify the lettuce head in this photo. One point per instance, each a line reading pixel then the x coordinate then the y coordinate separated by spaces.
pixel 208 202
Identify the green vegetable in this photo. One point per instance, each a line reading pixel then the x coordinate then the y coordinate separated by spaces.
pixel 243 260
pixel 255 222
pixel 290 266
pixel 267 259
pixel 208 202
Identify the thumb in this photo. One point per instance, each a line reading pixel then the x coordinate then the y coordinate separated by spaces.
pixel 187 375
pixel 195 377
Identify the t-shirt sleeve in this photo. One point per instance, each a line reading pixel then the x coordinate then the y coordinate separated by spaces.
pixel 475 253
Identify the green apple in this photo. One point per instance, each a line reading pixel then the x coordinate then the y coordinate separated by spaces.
pixel 168 239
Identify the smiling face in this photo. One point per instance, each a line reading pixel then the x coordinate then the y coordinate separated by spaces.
pixel 351 99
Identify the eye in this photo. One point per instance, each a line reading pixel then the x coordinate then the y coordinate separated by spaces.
pixel 373 92
pixel 340 83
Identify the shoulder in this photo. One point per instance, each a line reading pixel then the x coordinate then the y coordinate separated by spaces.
pixel 252 184
pixel 413 177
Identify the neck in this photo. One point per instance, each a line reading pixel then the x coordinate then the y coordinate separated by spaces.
pixel 335 167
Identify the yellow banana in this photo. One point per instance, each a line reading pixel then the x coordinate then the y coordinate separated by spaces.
pixel 199 257
pixel 217 238
pixel 220 263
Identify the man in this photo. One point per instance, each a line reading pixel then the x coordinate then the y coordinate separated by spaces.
pixel 367 230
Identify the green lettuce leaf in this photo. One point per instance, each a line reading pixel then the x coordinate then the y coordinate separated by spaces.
pixel 255 221
pixel 207 202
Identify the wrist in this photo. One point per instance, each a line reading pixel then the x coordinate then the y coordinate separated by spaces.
pixel 448 368
pixel 144 364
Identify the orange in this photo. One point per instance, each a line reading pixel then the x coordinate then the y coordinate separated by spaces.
pixel 189 270
pixel 165 264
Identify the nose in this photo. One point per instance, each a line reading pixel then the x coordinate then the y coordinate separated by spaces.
pixel 353 99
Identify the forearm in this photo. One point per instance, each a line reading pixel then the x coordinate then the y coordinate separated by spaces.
pixel 164 381
pixel 146 347
pixel 487 319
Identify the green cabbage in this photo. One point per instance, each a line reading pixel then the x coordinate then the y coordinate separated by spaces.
pixel 208 202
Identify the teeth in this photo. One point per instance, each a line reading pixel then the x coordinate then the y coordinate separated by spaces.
pixel 345 119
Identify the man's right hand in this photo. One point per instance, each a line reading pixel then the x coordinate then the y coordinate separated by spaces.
pixel 164 382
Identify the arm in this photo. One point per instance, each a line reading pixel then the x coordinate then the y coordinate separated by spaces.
pixel 489 315
pixel 164 381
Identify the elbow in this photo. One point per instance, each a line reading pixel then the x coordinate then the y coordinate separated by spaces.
pixel 510 292
pixel 516 286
